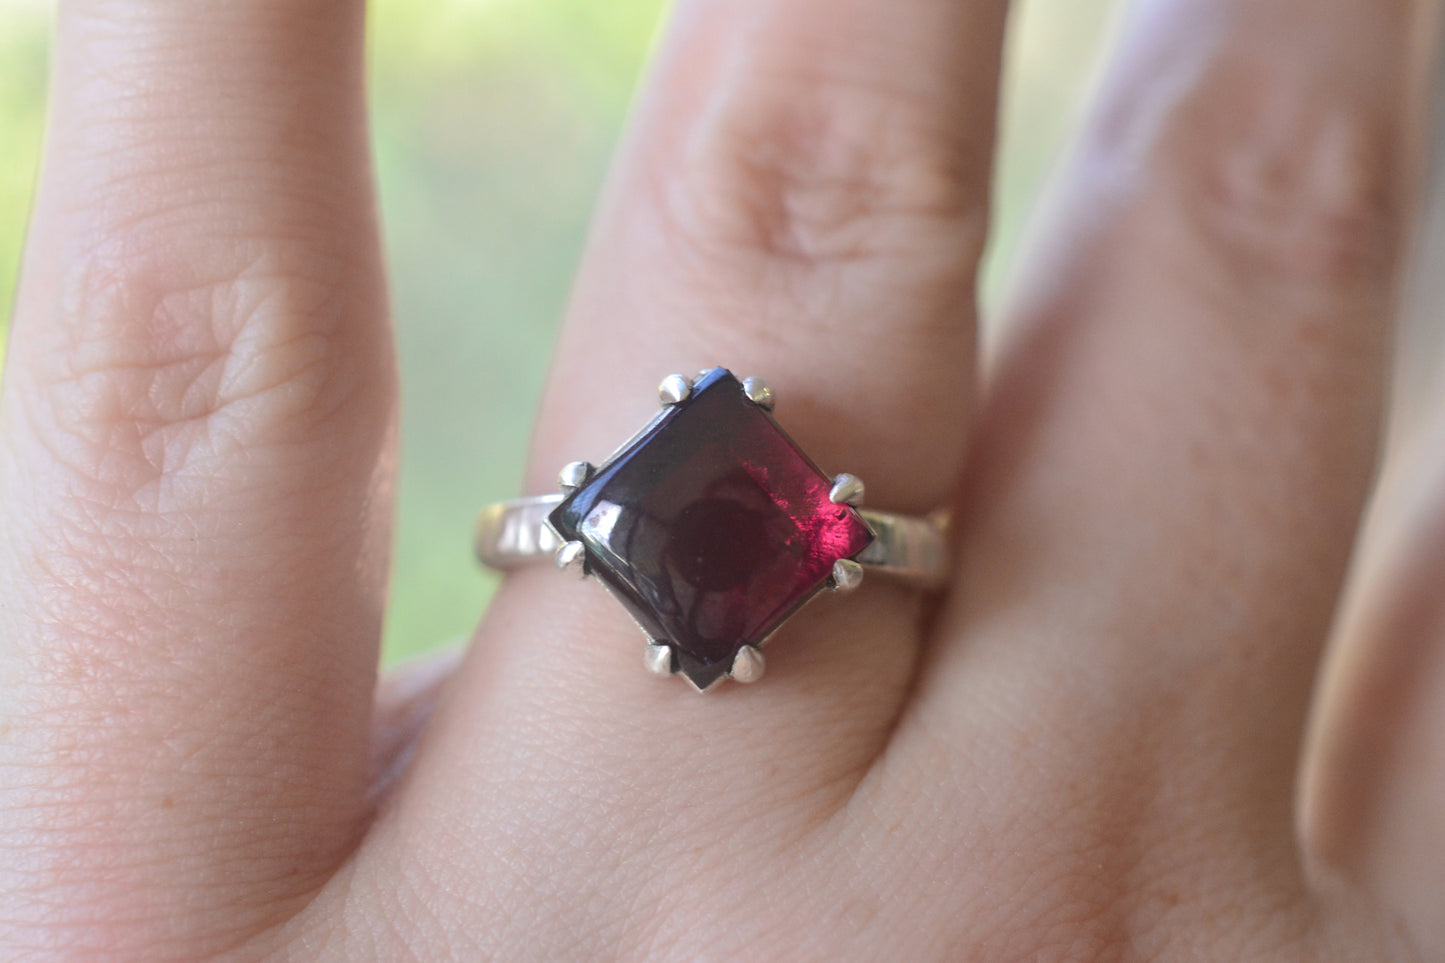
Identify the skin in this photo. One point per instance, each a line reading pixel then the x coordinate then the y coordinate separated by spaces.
pixel 1091 747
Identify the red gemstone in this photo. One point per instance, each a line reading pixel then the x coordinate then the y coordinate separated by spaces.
pixel 712 527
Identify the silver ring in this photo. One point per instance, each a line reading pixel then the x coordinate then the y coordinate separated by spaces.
pixel 712 528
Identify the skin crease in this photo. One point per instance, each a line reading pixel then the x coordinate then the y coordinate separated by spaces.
pixel 1087 749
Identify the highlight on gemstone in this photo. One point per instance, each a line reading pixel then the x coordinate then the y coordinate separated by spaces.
pixel 711 527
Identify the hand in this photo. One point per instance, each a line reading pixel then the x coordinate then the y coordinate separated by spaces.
pixel 1087 749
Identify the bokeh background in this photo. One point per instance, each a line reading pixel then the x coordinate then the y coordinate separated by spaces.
pixel 493 125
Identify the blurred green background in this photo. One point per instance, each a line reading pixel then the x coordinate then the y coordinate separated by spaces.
pixel 494 120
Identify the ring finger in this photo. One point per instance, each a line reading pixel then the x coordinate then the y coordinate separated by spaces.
pixel 803 196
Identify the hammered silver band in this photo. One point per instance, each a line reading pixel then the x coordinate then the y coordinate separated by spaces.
pixel 513 533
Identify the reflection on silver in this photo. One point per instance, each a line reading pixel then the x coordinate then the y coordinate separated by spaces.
pixel 574 475
pixel 748 665
pixel 674 390
pixel 759 393
pixel 572 559
pixel 847 575
pixel 658 659
pixel 847 490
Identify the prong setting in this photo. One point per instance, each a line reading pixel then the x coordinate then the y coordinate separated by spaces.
pixel 674 390
pixel 571 558
pixel 672 482
pixel 759 393
pixel 847 575
pixel 574 475
pixel 748 665
pixel 658 658
pixel 847 490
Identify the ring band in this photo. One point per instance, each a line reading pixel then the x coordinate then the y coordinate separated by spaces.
pixel 514 533
pixel 712 528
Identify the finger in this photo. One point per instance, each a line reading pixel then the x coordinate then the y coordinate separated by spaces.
pixel 805 196
pixel 1374 787
pixel 197 400
pixel 809 205
pixel 1183 429
pixel 802 197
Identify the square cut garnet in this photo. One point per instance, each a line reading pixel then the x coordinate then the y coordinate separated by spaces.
pixel 712 527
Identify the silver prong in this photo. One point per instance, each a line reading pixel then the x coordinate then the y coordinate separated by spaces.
pixel 658 658
pixel 674 390
pixel 572 559
pixel 847 575
pixel 748 665
pixel 847 489
pixel 759 393
pixel 574 475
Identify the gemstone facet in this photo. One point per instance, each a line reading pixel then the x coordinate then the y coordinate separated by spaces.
pixel 711 527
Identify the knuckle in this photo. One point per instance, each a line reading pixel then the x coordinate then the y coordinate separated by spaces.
pixel 1295 183
pixel 816 171
pixel 162 362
